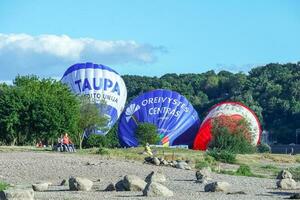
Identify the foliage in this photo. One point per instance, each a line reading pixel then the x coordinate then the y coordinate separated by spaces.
pixel 244 170
pixel 222 155
pixel 201 164
pixel 3 186
pixel 89 120
pixel 95 140
pixel 295 171
pixel 263 148
pixel 147 133
pixel 103 151
pixel 34 109
pixel 232 136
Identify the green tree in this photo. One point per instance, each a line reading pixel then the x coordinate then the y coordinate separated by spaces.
pixel 89 119
pixel 147 133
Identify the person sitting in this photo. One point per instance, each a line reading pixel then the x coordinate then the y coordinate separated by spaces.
pixel 68 143
pixel 39 144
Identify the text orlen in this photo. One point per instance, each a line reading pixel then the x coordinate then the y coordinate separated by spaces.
pixel 98 84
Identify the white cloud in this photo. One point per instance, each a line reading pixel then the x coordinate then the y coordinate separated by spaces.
pixel 47 54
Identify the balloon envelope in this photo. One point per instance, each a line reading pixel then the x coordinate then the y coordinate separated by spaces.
pixel 229 113
pixel 175 118
pixel 102 85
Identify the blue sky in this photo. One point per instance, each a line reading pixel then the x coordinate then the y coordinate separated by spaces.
pixel 146 37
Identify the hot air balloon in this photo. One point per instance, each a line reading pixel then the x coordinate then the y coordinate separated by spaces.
pixel 102 85
pixel 175 118
pixel 229 114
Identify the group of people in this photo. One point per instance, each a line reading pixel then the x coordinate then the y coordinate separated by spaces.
pixel 65 144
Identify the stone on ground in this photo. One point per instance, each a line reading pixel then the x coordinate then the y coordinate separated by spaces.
pixel 110 187
pixel 40 187
pixel 156 161
pixel 17 194
pixel 217 187
pixel 80 184
pixel 133 183
pixel 154 189
pixel 158 177
pixel 284 174
pixel 183 165
pixel 295 196
pixel 287 184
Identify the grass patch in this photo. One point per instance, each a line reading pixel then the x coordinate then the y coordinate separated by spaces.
pixel 243 170
pixel 3 186
pixel 295 171
pixel 222 156
pixel 269 167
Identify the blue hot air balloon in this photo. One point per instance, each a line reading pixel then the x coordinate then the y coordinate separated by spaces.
pixel 102 85
pixel 176 119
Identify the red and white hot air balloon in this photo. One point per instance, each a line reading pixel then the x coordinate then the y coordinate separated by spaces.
pixel 229 114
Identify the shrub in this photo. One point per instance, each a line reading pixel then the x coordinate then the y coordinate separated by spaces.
pixel 103 151
pixel 3 186
pixel 234 140
pixel 95 140
pixel 295 171
pixel 263 148
pixel 201 164
pixel 147 133
pixel 244 170
pixel 222 155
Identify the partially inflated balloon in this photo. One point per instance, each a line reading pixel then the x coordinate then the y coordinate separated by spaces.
pixel 229 114
pixel 174 116
pixel 102 85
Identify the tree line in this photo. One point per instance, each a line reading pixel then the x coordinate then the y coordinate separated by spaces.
pixel 34 108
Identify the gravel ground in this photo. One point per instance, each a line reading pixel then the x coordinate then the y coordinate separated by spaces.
pixel 31 167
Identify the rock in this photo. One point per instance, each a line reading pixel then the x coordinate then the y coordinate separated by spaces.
pixel 164 162
pixel 148 159
pixel 238 192
pixel 284 174
pixel 183 165
pixel 17 194
pixel 158 177
pixel 120 186
pixel 287 184
pixel 154 189
pixel 40 187
pixel 133 183
pixel 64 182
pixel 156 161
pixel 203 175
pixel 217 187
pixel 80 184
pixel 295 196
pixel 110 187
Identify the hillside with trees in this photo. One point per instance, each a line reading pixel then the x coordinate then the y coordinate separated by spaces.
pixel 33 108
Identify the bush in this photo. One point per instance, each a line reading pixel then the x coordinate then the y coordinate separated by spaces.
pixel 244 170
pixel 103 151
pixel 295 171
pixel 201 164
pixel 147 133
pixel 95 140
pixel 231 140
pixel 263 148
pixel 3 186
pixel 222 156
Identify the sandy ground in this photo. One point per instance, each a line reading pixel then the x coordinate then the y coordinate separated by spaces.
pixel 32 167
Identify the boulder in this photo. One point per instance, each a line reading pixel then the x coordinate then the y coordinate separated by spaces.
pixel 156 161
pixel 284 174
pixel 64 182
pixel 40 187
pixel 287 184
pixel 158 177
pixel 217 187
pixel 120 186
pixel 110 187
pixel 154 189
pixel 183 165
pixel 133 183
pixel 295 196
pixel 17 194
pixel 80 184
pixel 203 175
